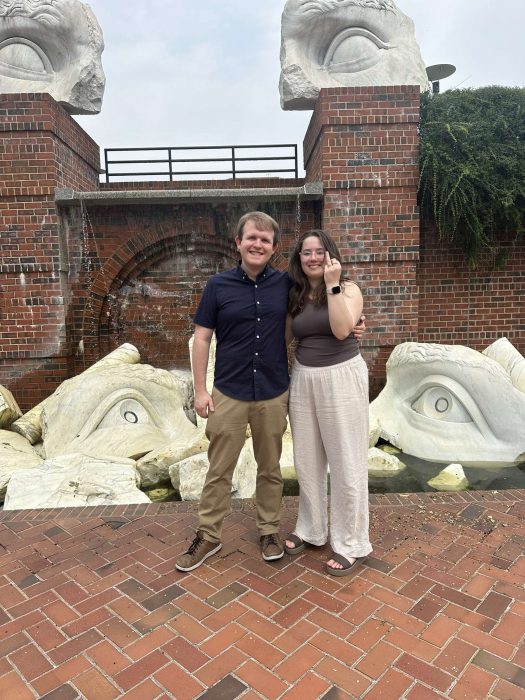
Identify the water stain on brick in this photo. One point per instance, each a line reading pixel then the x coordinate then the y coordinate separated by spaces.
pixel 501 668
pixel 226 595
pixel 227 689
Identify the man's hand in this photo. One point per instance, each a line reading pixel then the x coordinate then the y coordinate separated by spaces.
pixel 203 404
pixel 360 328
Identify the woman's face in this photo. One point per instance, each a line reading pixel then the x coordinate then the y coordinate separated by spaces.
pixel 312 257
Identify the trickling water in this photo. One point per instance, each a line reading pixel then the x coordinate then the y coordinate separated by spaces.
pixel 298 215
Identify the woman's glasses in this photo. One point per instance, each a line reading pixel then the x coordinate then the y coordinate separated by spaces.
pixel 318 253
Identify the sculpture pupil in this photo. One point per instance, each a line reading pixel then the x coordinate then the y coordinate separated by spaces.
pixel 131 417
pixel 442 405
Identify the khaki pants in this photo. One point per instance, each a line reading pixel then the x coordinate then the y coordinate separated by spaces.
pixel 226 431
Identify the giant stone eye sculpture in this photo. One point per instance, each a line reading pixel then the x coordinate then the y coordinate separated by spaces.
pixel 52 46
pixel 334 43
pixel 450 403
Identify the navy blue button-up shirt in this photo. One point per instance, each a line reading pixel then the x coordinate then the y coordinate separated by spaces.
pixel 249 320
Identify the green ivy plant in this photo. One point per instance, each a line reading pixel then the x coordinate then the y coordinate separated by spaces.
pixel 472 166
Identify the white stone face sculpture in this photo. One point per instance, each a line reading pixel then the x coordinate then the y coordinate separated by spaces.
pixel 343 43
pixel 449 403
pixel 52 46
pixel 125 410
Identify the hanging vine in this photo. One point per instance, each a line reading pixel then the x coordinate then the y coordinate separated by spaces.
pixel 472 166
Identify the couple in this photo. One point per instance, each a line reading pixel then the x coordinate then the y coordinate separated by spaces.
pixel 255 312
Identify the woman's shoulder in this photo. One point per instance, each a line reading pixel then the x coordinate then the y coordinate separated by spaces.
pixel 350 287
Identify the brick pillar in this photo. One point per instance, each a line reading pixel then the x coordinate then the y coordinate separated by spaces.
pixel 41 148
pixel 362 144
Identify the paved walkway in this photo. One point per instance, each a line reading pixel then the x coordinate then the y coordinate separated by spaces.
pixel 91 606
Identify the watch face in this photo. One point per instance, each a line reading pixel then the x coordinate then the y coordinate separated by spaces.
pixel 336 290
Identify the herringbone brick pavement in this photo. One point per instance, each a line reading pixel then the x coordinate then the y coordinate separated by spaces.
pixel 91 606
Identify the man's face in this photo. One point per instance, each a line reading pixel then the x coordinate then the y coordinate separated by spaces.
pixel 255 247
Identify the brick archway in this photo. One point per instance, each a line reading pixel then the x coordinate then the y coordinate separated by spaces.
pixel 156 275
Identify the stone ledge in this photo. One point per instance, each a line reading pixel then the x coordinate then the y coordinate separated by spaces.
pixel 309 191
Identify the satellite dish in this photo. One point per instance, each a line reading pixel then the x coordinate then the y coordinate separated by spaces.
pixel 438 72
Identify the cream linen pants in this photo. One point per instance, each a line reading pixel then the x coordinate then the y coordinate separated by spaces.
pixel 329 420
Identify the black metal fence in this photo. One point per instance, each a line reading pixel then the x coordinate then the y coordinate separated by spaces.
pixel 240 161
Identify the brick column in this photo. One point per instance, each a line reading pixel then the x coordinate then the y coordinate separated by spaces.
pixel 41 148
pixel 362 144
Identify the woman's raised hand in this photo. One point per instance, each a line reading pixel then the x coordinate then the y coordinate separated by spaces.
pixel 332 270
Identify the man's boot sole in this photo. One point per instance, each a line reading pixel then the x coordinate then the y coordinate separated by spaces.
pixel 273 557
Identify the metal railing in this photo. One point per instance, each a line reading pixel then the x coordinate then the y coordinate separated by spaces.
pixel 167 167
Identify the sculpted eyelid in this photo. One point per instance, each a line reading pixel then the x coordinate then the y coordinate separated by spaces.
pixel 354 32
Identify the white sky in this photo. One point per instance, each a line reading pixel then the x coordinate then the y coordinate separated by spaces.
pixel 206 72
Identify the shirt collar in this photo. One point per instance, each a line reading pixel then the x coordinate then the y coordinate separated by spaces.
pixel 260 277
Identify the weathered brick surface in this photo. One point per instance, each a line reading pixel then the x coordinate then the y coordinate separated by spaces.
pixel 468 306
pixel 75 282
pixel 355 635
pixel 41 148
pixel 362 143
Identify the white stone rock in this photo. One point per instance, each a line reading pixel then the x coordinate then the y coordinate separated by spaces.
pixel 449 403
pixel 452 478
pixel 75 480
pixel 342 43
pixel 185 385
pixel 9 409
pixel 374 431
pixel 16 453
pixel 389 449
pixel 245 474
pixel 381 463
pixel 53 47
pixel 154 466
pixel 188 476
pixel 505 354
pixel 210 371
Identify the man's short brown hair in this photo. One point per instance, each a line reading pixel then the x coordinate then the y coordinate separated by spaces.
pixel 262 222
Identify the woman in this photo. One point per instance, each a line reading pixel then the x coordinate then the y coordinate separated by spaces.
pixel 328 406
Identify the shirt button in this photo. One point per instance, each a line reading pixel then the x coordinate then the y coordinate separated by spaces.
pixel 256 354
pixel 257 336
pixel 258 319
pixel 255 370
pixel 258 302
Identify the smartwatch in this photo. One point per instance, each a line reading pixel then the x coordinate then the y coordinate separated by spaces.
pixel 334 290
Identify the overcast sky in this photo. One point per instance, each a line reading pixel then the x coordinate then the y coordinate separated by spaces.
pixel 206 72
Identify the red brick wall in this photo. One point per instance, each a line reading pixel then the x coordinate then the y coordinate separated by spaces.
pixel 467 306
pixel 41 148
pixel 362 143
pixel 75 282
pixel 149 268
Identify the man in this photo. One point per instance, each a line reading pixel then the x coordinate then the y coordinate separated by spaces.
pixel 247 308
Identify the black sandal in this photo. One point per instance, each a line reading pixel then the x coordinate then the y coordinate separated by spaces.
pixel 347 567
pixel 299 544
